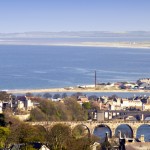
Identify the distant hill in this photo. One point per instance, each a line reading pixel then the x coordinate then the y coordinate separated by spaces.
pixel 79 34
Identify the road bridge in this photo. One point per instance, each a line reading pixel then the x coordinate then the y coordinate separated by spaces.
pixel 91 125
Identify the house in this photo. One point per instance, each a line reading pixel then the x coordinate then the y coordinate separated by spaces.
pixel 144 80
pixel 82 99
pixel 37 146
pixel 145 86
pixel 146 107
pixel 131 104
pixel 24 103
pixel 1 107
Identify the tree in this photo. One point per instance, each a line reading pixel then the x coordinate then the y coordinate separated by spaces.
pixel 79 132
pixel 4 96
pixel 27 133
pixel 57 95
pixel 37 115
pixel 29 94
pixel 64 95
pixel 2 120
pixel 76 95
pixel 86 105
pixel 59 136
pixel 4 133
pixel 75 109
pixel 47 95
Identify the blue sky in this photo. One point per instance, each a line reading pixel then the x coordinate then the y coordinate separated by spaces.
pixel 74 15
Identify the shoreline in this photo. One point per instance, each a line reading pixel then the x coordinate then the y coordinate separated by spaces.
pixel 139 45
pixel 63 90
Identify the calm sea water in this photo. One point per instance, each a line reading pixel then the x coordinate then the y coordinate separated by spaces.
pixel 27 67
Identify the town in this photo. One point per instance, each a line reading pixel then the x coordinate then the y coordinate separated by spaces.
pixel 93 111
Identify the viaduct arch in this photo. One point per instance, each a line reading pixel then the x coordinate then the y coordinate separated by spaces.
pixel 91 125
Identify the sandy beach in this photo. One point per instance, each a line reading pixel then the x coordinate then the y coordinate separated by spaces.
pixel 63 90
pixel 140 45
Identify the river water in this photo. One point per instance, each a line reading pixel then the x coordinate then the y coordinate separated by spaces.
pixel 142 130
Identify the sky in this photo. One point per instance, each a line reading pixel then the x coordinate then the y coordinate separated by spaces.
pixel 74 15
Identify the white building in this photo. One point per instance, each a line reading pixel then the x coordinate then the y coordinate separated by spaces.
pixel 1 106
pixel 131 103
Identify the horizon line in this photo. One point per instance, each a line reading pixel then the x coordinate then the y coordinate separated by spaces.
pixel 104 31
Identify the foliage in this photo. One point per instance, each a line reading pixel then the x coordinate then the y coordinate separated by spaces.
pixel 64 95
pixel 27 147
pixel 4 96
pixel 79 132
pixel 106 145
pixel 86 105
pixel 37 114
pixel 59 136
pixel 95 105
pixel 57 95
pixel 76 95
pixel 79 144
pixel 29 94
pixel 47 95
pixel 75 109
pixel 2 120
pixel 56 111
pixel 4 133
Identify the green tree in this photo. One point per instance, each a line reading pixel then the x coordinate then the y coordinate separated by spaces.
pixel 37 115
pixel 4 96
pixel 59 137
pixel 76 95
pixel 64 95
pixel 47 95
pixel 2 120
pixel 57 95
pixel 79 132
pixel 75 109
pixel 4 133
pixel 29 94
pixel 86 105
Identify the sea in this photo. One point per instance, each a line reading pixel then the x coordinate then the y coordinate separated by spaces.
pixel 38 67
pixel 28 67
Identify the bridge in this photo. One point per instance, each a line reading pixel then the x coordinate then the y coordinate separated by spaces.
pixel 91 125
pixel 121 114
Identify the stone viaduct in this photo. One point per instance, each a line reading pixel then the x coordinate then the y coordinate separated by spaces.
pixel 91 125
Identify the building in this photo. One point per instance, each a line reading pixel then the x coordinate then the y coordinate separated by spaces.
pixel 131 104
pixel 82 99
pixel 1 106
pixel 24 103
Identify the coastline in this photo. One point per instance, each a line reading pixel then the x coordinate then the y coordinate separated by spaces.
pixel 63 90
pixel 137 45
